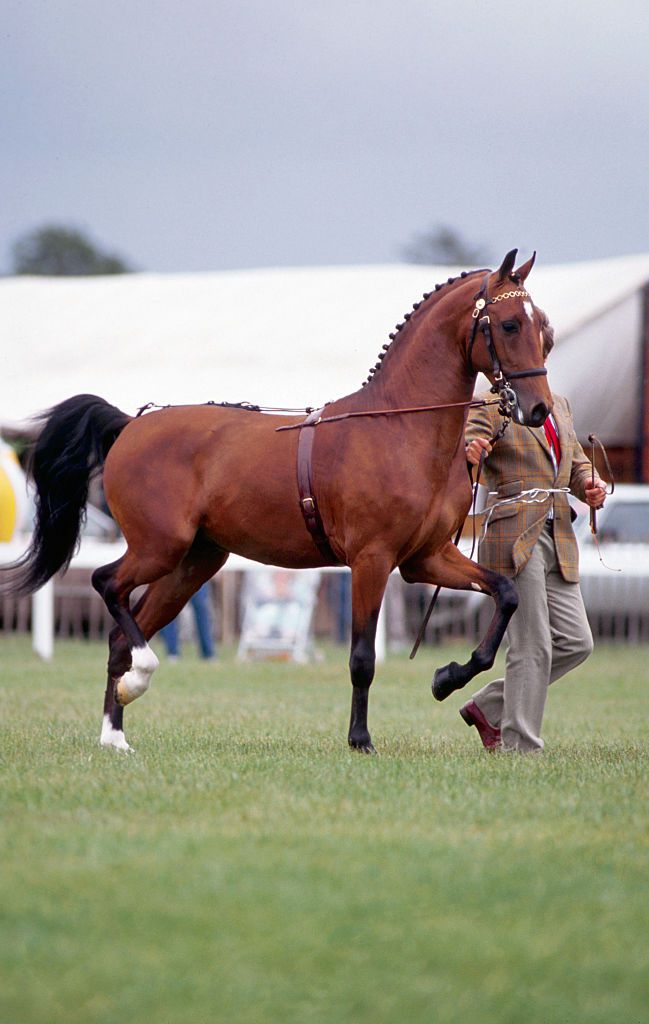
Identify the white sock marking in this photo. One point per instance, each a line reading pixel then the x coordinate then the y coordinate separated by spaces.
pixel 136 681
pixel 111 737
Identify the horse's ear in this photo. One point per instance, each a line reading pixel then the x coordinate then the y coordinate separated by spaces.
pixel 525 268
pixel 507 265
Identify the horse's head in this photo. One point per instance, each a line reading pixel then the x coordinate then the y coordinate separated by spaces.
pixel 506 341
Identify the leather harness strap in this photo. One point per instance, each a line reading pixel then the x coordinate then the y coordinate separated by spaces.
pixel 308 506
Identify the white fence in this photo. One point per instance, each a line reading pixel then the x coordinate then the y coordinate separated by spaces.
pixel 91 555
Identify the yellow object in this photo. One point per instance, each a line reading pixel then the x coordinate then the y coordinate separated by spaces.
pixel 8 509
pixel 12 493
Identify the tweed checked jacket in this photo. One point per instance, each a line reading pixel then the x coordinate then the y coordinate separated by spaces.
pixel 519 461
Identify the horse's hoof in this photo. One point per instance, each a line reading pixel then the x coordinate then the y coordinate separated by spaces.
pixel 363 746
pixel 112 737
pixel 446 680
pixel 124 748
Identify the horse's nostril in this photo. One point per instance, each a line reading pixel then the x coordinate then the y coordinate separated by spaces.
pixel 538 415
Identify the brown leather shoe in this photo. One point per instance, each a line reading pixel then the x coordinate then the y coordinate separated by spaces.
pixel 489 734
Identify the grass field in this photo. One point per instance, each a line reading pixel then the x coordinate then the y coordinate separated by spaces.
pixel 245 866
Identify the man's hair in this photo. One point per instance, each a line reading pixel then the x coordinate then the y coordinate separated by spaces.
pixel 547 334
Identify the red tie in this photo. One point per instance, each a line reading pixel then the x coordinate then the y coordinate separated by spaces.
pixel 553 439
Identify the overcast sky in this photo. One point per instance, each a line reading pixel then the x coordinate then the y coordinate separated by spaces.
pixel 206 135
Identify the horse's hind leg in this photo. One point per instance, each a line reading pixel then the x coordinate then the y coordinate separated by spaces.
pixel 369 578
pixel 450 568
pixel 112 729
pixel 165 598
pixel 131 662
pixel 162 601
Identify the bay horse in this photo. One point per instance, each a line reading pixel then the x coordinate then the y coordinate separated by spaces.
pixel 387 472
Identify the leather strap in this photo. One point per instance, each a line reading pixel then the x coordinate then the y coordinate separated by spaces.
pixel 308 505
pixel 481 321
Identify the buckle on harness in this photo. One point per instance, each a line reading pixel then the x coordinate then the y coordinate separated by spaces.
pixel 508 400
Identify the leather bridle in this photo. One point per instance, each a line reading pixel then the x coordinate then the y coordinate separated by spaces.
pixel 481 321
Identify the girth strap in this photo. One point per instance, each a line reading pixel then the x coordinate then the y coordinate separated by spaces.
pixel 308 505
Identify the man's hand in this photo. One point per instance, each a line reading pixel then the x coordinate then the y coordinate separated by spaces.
pixel 595 493
pixel 475 449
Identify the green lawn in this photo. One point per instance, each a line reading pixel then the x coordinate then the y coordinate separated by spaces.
pixel 245 866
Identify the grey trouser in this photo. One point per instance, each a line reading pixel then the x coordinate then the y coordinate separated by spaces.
pixel 548 636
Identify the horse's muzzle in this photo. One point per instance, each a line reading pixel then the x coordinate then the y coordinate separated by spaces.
pixel 538 415
pixel 535 418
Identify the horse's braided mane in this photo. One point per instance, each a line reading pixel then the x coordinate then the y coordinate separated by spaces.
pixel 399 327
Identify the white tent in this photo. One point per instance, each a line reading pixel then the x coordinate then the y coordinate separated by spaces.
pixel 293 337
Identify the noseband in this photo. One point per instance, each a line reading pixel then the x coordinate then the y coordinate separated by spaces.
pixel 501 385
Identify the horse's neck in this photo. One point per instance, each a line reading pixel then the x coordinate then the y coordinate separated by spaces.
pixel 424 366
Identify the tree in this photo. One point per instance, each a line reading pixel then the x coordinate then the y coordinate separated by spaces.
pixel 443 245
pixel 59 251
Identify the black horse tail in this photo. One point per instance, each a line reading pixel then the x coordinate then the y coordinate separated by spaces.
pixel 69 451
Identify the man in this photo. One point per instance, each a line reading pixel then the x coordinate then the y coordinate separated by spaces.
pixel 533 542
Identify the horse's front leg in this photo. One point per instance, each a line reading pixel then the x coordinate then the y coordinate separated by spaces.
pixel 370 574
pixel 450 568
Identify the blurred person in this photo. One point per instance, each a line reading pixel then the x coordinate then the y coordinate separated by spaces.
pixel 534 543
pixel 201 607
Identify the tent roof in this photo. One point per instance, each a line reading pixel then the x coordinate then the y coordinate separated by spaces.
pixel 282 337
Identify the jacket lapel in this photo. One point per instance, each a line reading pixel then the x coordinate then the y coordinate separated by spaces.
pixel 539 434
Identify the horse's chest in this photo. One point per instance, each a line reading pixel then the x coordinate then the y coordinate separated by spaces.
pixel 445 511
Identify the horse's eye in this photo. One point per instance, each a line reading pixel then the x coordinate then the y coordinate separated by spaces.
pixel 509 326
